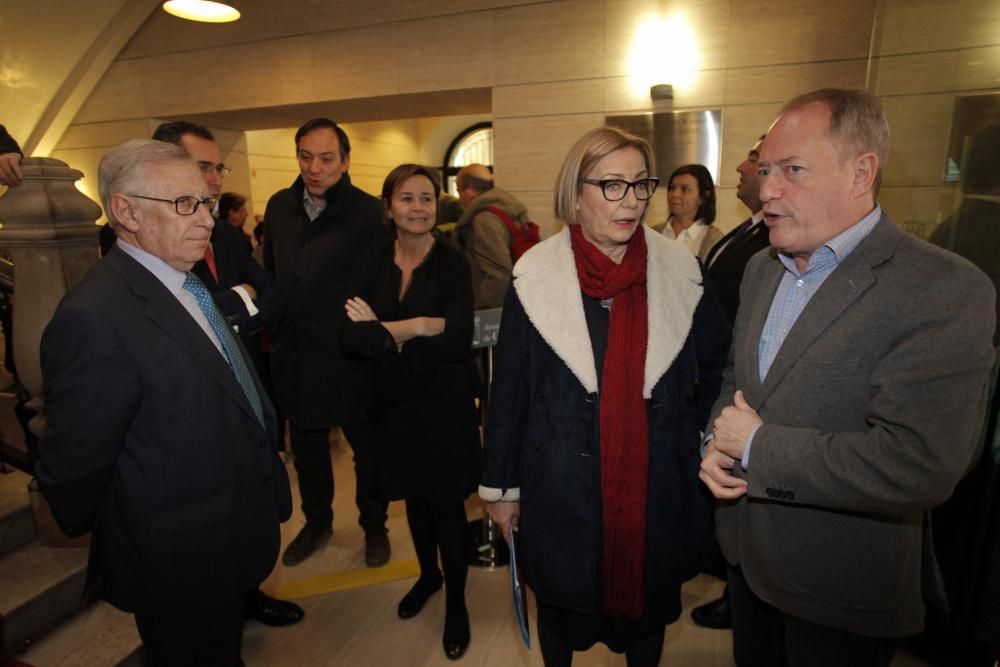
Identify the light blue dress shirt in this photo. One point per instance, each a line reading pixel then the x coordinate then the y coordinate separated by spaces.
pixel 797 288
pixel 312 208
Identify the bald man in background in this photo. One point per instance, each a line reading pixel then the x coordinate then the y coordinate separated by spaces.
pixel 484 236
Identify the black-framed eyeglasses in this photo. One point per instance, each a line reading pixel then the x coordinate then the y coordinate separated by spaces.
pixel 615 189
pixel 184 205
pixel 220 169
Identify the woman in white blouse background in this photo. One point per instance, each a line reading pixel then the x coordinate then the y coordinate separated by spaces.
pixel 691 198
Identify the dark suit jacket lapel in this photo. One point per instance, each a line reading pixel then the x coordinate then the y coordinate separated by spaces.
pixel 847 282
pixel 163 308
pixel 752 236
pixel 721 242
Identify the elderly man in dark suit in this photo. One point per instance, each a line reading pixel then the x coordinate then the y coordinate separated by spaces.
pixel 852 405
pixel 159 432
pixel 243 292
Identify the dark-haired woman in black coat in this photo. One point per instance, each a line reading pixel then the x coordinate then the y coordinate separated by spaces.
pixel 411 316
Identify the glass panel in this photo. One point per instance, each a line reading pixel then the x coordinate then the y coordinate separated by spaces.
pixel 936 70
pixel 476 147
pixel 678 137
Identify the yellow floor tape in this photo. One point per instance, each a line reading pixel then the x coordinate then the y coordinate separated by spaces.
pixel 342 581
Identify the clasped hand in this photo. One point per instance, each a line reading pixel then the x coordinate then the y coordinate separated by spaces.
pixel 730 432
pixel 733 427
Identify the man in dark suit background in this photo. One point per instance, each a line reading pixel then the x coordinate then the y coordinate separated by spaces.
pixel 726 261
pixel 159 434
pixel 852 403
pixel 240 287
pixel 242 290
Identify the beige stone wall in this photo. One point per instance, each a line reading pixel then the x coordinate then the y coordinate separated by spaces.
pixel 84 143
pixel 51 55
pixel 556 68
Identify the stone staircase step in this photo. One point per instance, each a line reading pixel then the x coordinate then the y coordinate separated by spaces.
pixel 99 636
pixel 17 522
pixel 13 449
pixel 12 445
pixel 39 588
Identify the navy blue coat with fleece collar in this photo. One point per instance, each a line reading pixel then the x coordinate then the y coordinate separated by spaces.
pixel 542 442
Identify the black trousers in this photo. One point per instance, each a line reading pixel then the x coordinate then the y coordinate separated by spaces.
pixel 312 464
pixel 557 652
pixel 439 527
pixel 204 636
pixel 764 636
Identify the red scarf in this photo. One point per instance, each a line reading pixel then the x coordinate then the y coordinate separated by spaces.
pixel 624 437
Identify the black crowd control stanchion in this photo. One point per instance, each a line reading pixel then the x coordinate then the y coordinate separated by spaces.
pixel 488 547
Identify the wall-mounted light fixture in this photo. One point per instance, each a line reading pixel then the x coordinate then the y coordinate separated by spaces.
pixel 205 11
pixel 661 92
pixel 664 48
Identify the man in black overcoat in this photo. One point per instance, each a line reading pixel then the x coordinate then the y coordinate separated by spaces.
pixel 314 232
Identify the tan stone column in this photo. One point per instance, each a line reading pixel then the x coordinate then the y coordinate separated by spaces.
pixel 48 229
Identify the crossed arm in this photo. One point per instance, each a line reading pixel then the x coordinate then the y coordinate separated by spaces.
pixel 402 330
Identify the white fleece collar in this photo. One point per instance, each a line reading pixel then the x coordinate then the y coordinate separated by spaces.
pixel 546 282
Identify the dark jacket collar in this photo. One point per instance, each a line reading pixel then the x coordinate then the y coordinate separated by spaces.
pixel 336 196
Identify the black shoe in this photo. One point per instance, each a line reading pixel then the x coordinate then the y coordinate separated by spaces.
pixel 377 548
pixel 456 633
pixel 273 612
pixel 414 601
pixel 715 615
pixel 305 543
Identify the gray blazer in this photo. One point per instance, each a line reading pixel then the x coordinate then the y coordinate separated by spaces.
pixel 872 409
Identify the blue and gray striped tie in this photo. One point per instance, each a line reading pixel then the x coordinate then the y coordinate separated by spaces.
pixel 237 363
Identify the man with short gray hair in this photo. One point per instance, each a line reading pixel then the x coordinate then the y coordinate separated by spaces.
pixel 852 404
pixel 245 295
pixel 159 434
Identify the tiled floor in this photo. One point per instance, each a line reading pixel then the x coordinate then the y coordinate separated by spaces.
pixel 359 626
